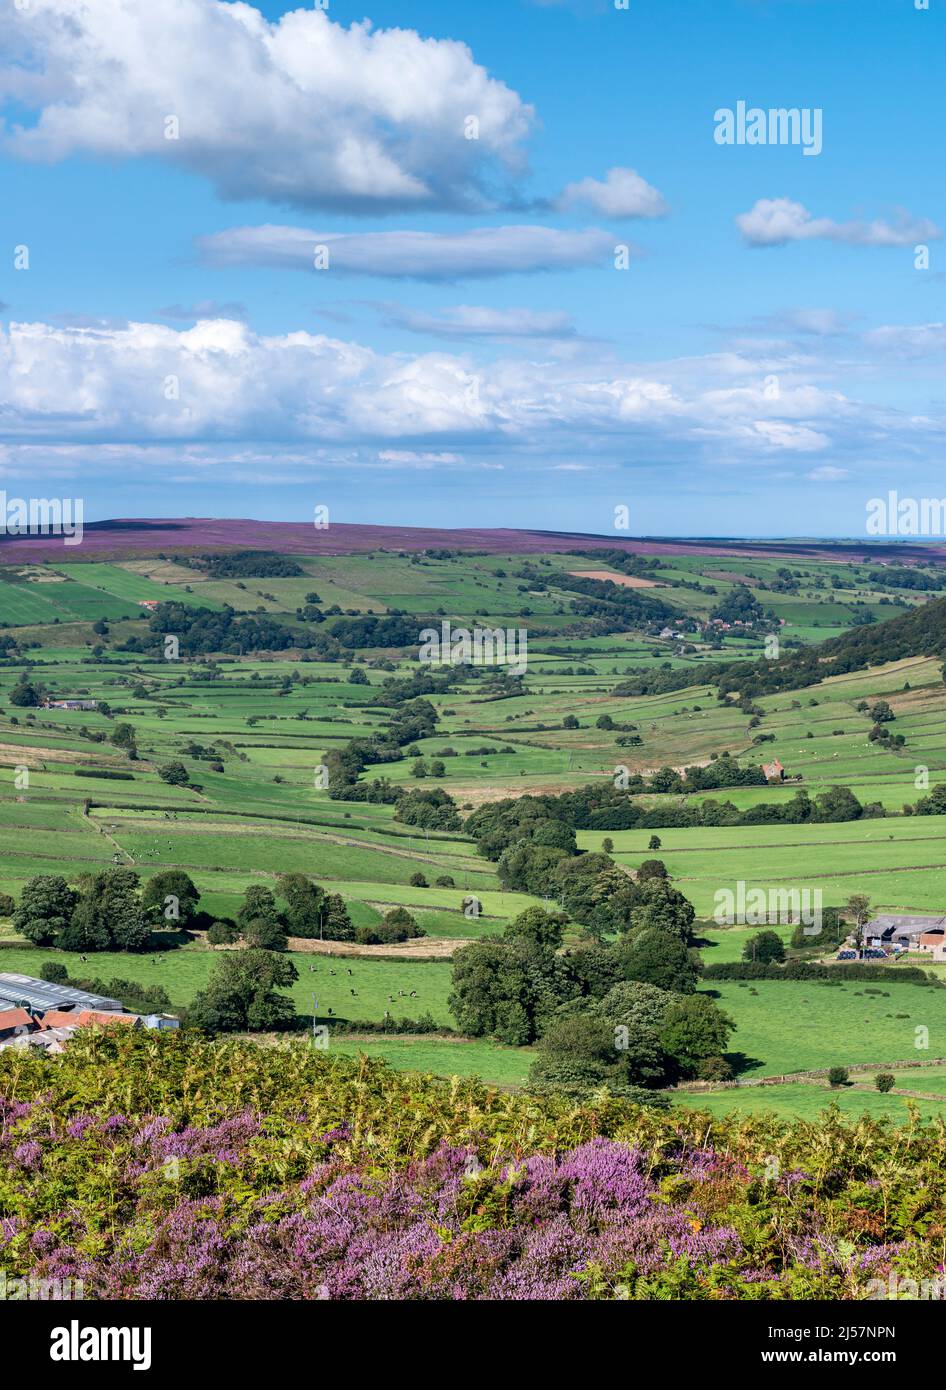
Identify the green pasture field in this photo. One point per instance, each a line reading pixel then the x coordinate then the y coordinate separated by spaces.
pixel 808 1102
pixel 265 814
pixel 786 1026
pixel 186 970
pixel 899 863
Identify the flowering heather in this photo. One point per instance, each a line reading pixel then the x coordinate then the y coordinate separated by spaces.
pixel 170 1168
pixel 129 537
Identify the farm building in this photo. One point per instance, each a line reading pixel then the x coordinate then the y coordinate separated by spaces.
pixel 906 932
pixel 150 603
pixel 70 704
pixel 37 1013
pixel 774 772
pixel 18 991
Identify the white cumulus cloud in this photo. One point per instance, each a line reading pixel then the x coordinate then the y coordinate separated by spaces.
pixel 193 397
pixel 622 194
pixel 301 111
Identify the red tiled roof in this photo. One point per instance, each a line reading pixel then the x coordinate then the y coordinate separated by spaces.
pixel 82 1018
pixel 14 1018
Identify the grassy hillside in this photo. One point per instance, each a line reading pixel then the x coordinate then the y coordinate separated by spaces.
pixel 254 729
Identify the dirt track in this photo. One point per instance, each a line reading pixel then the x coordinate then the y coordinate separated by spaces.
pixel 419 948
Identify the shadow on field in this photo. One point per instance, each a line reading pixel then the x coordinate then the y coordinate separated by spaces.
pixel 740 1062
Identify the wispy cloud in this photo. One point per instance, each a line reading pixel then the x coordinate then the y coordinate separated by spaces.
pixel 827 473
pixel 777 221
pixel 476 254
pixel 817 323
pixel 412 458
pixel 919 340
pixel 204 309
pixel 478 321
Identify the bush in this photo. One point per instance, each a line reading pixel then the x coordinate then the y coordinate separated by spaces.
pixel 765 946
pixel 418 881
pixel 714 1069
pixel 885 1081
pixel 264 934
pixel 838 1076
pixel 108 773
pixel 175 774
pixel 396 926
pixel 859 971
pixel 54 972
pixel 222 934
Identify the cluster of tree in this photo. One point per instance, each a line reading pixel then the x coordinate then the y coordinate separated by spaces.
pixel 381 630
pixel 309 912
pixel 624 1015
pixel 200 632
pixel 920 632
pixel 104 912
pixel 932 805
pixel 625 561
pixel 242 994
pixel 250 564
pixel 412 719
pixel 395 926
pixel 175 774
pixel 26 695
pixel 740 605
pixel 498 825
pixel 614 607
pixel 903 577
pixel 431 810
pixel 111 911
pixel 551 821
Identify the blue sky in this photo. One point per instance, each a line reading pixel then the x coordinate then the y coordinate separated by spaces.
pixel 770 360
